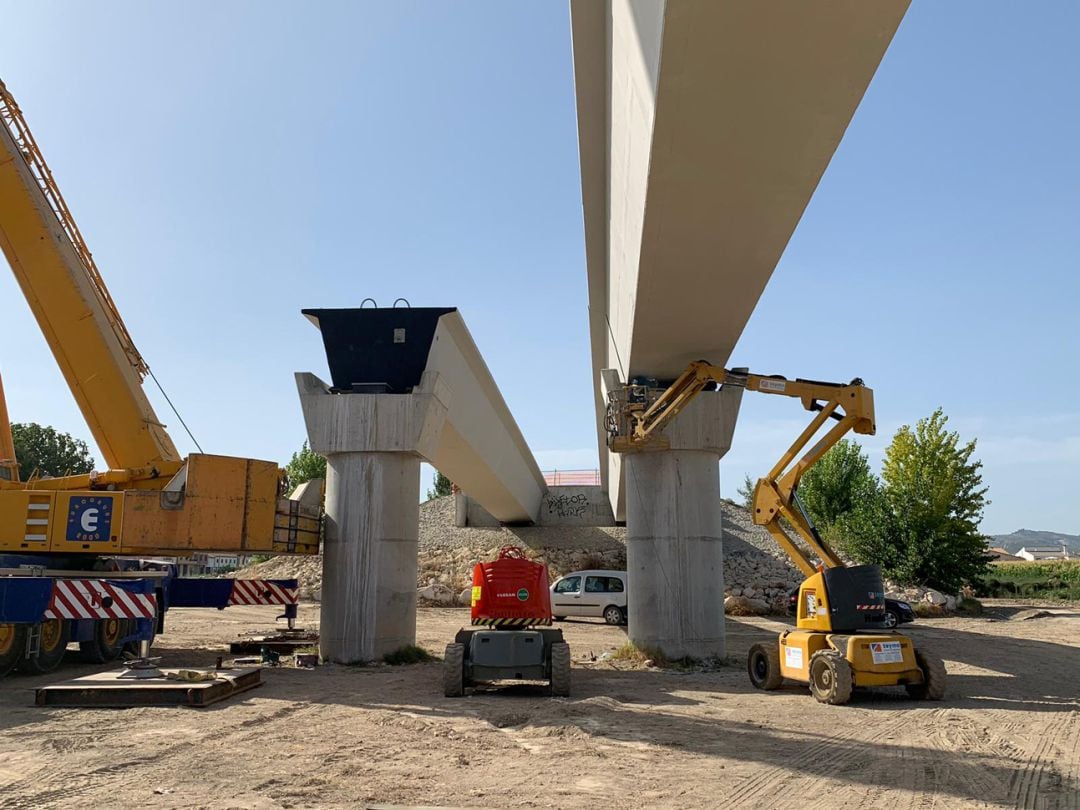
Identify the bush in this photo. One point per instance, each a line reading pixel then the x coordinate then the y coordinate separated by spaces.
pixel 925 610
pixel 632 654
pixel 1059 579
pixel 409 654
pixel 969 607
pixel 646 656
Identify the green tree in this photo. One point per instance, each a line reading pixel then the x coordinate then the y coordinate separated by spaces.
pixel 443 487
pixel 839 483
pixel 44 451
pixel 305 465
pixel 746 492
pixel 922 524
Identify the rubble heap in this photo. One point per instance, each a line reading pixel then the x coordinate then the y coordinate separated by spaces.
pixel 755 570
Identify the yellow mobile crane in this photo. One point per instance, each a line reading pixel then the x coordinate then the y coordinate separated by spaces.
pixel 835 645
pixel 150 500
pixel 9 467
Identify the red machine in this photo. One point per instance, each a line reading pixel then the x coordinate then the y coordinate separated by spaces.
pixel 510 592
pixel 511 637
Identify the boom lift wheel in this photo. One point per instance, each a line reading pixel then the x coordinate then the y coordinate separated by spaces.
pixel 830 677
pixel 454 670
pixel 12 646
pixel 933 670
pixel 52 644
pixel 763 665
pixel 560 669
pixel 105 646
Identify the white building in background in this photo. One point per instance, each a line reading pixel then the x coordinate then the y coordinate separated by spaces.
pixel 1044 553
pixel 202 564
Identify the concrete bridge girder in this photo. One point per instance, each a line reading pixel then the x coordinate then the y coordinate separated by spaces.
pixel 704 127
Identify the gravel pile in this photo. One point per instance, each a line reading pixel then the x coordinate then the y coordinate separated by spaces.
pixel 753 566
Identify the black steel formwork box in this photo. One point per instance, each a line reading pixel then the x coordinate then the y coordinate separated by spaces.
pixel 377 350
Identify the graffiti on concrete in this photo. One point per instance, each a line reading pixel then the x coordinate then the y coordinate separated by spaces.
pixel 567 506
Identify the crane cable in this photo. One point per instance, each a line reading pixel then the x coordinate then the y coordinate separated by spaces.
pixel 173 408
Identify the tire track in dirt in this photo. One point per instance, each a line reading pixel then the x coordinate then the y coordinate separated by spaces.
pixel 758 788
pixel 68 786
pixel 917 769
pixel 1024 787
pixel 951 732
pixel 110 778
pixel 1072 775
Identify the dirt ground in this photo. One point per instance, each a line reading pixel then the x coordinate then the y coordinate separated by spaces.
pixel 1007 734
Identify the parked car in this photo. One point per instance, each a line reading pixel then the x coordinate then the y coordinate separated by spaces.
pixel 896 612
pixel 590 593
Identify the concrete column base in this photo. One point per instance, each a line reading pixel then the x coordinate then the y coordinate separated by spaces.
pixel 674 548
pixel 674 553
pixel 369 559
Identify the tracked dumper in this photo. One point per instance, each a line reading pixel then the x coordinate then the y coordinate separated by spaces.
pixel 511 638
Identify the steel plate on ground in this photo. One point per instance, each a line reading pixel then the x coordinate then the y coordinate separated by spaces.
pixel 105 689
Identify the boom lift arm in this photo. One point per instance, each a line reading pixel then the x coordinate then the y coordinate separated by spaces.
pixel 635 425
pixel 830 648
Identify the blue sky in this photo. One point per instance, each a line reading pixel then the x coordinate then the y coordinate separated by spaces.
pixel 231 163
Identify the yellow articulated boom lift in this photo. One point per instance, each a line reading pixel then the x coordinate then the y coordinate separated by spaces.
pixel 57 534
pixel 837 644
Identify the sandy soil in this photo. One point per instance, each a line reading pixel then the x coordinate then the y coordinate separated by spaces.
pixel 1008 734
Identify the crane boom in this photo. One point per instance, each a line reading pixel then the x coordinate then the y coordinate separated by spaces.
pixel 636 419
pixel 9 467
pixel 72 305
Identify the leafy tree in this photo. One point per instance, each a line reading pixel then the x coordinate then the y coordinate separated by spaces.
pixel 922 523
pixel 45 451
pixel 443 487
pixel 838 484
pixel 746 492
pixel 305 465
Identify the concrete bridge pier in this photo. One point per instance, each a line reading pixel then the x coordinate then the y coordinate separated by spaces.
pixel 373 445
pixel 369 582
pixel 408 384
pixel 674 550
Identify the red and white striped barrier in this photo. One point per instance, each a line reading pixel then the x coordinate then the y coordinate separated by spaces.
pixel 262 592
pixel 97 599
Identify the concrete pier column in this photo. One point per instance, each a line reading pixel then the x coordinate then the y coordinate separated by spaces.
pixel 369 557
pixel 674 550
pixel 373 444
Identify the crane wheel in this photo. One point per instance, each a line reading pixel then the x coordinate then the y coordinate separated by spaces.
pixel 830 677
pixel 105 646
pixel 12 646
pixel 763 666
pixel 52 643
pixel 934 676
pixel 454 670
pixel 560 669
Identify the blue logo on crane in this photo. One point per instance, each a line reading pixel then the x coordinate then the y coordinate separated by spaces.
pixel 89 520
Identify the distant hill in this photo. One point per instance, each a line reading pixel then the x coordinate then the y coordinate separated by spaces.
pixel 1029 537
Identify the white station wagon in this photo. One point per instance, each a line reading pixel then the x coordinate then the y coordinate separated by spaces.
pixel 590 593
